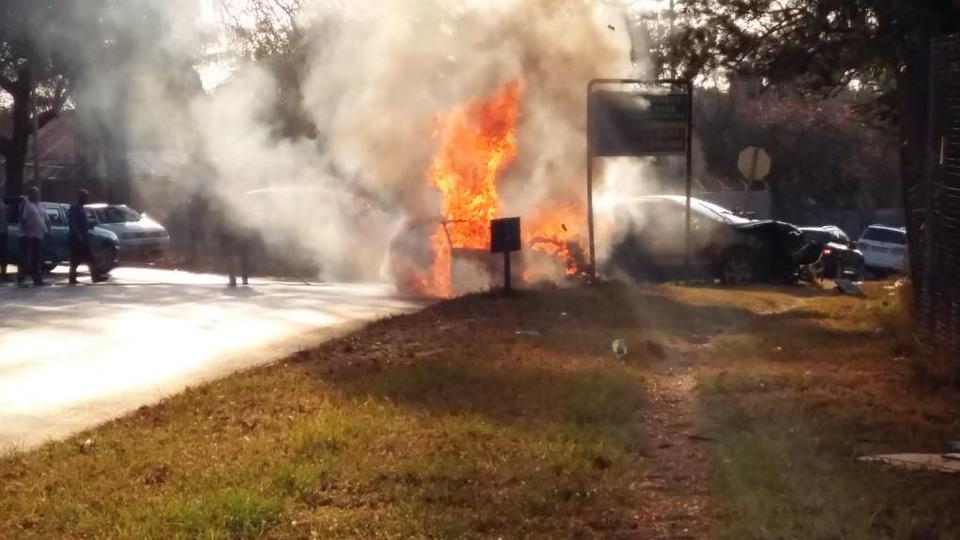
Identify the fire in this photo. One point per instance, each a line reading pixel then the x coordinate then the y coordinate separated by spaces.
pixel 477 142
pixel 556 231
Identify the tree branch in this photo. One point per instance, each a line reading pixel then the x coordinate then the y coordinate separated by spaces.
pixel 59 100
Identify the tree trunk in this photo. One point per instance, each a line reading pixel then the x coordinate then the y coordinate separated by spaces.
pixel 117 164
pixel 17 155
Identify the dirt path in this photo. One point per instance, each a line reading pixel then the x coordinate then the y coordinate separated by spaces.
pixel 678 478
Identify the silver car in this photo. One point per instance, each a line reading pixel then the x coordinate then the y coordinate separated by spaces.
pixel 141 238
pixel 884 249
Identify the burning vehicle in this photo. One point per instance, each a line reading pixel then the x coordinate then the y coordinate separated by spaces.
pixel 416 257
pixel 448 254
pixel 651 243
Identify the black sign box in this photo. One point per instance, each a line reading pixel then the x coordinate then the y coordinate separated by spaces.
pixel 505 235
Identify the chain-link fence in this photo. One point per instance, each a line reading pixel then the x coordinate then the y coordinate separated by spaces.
pixel 933 210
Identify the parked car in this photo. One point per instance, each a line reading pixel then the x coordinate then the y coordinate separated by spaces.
pixel 104 244
pixel 651 243
pixel 884 249
pixel 839 256
pixel 141 238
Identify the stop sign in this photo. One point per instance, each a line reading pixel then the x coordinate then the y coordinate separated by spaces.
pixel 754 163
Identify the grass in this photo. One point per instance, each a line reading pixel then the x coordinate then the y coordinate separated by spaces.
pixel 789 423
pixel 510 435
pixel 510 417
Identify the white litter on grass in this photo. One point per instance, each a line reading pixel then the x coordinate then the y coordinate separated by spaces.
pixel 620 348
pixel 944 463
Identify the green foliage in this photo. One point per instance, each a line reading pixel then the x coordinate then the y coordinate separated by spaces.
pixel 825 157
pixel 820 45
pixel 268 32
pixel 226 514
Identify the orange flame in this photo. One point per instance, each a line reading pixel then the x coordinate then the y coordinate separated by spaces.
pixel 556 232
pixel 477 142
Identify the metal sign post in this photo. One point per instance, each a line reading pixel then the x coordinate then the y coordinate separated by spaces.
pixel 647 118
pixel 505 238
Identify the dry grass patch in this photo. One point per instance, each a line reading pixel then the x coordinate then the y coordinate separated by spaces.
pixel 440 424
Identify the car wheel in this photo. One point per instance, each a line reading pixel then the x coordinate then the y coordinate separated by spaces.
pixel 101 262
pixel 739 267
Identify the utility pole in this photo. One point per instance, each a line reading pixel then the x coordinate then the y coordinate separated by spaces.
pixel 36 142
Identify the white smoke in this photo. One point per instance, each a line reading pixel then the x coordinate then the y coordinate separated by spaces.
pixel 391 67
pixel 377 74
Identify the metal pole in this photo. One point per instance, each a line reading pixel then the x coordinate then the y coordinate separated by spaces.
pixel 590 225
pixel 507 285
pixel 689 242
pixel 36 139
pixel 931 192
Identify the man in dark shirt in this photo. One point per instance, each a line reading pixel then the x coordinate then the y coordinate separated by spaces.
pixel 79 230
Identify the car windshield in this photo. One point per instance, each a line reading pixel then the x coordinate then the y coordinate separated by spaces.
pixel 887 236
pixel 117 214
pixel 818 236
pixel 716 212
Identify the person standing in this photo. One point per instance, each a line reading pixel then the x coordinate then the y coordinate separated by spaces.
pixel 235 245
pixel 33 227
pixel 79 239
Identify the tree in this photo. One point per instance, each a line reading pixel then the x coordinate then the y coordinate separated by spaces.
pixel 28 68
pixel 826 46
pixel 268 32
pixel 826 159
pixel 819 45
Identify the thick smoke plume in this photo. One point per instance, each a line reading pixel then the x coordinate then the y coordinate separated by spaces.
pixel 377 75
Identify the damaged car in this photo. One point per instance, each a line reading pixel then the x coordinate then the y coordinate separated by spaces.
pixel 839 256
pixel 650 243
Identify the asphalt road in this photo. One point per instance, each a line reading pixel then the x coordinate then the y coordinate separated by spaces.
pixel 74 357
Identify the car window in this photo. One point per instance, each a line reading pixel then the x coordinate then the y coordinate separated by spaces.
pixel 117 214
pixel 817 236
pixel 56 219
pixel 885 235
pixel 91 215
pixel 717 212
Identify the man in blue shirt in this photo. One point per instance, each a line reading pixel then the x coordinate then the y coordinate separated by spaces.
pixel 79 230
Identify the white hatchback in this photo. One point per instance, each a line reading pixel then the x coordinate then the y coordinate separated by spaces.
pixel 884 248
pixel 141 238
